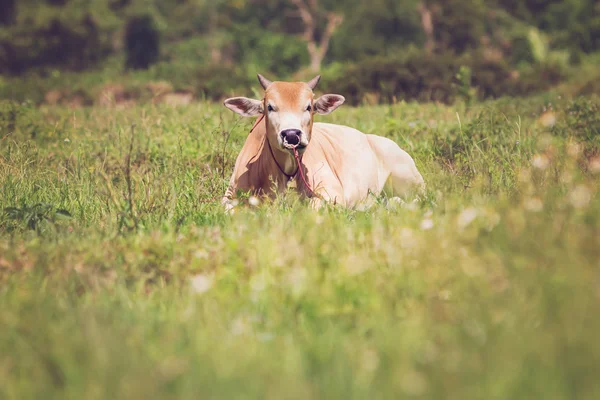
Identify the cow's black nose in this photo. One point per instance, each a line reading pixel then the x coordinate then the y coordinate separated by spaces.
pixel 291 136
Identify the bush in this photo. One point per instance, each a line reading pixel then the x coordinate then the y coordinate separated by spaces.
pixel 73 46
pixel 142 41
pixel 7 11
pixel 216 81
pixel 424 77
pixel 582 121
pixel 420 77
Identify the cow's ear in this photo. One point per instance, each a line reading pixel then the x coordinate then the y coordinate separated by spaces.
pixel 328 102
pixel 244 106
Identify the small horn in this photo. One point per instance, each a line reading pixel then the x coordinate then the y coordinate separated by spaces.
pixel 313 82
pixel 264 82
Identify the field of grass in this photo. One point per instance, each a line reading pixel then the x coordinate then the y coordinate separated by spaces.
pixel 122 278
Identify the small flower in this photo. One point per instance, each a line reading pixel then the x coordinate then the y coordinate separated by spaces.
pixel 580 197
pixel 594 165
pixel 466 217
pixel 201 254
pixel 67 140
pixel 548 119
pixel 201 283
pixel 573 150
pixel 253 201
pixel 426 224
pixel 540 161
pixel 534 204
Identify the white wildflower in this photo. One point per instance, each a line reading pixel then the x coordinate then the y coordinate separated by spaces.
pixel 573 150
pixel 466 217
pixel 594 165
pixel 540 161
pixel 253 201
pixel 426 224
pixel 201 283
pixel 580 197
pixel 534 204
pixel 548 119
pixel 201 254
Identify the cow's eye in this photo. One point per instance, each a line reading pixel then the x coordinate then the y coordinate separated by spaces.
pixel 309 108
pixel 269 108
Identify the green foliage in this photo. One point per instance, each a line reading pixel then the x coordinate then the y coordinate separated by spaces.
pixel 18 121
pixel 459 24
pixel 487 288
pixel 582 121
pixel 432 77
pixel 275 53
pixel 38 217
pixel 74 45
pixel 142 42
pixel 377 27
pixel 7 11
pixel 464 88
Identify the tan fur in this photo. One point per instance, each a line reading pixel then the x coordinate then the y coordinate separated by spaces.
pixel 342 165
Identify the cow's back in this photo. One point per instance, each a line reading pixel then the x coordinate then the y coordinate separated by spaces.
pixel 342 159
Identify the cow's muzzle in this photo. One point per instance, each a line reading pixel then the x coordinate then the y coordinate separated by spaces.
pixel 290 138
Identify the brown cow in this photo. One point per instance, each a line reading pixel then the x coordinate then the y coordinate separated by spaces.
pixel 341 165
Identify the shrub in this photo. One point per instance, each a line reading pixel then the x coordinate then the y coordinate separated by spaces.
pixel 437 77
pixel 142 41
pixel 216 81
pixel 7 11
pixel 419 77
pixel 73 46
pixel 582 120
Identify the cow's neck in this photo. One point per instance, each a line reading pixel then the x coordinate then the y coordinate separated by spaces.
pixel 283 161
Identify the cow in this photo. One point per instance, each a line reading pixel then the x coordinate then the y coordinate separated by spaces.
pixel 336 164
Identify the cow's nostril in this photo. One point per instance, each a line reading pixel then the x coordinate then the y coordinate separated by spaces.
pixel 291 136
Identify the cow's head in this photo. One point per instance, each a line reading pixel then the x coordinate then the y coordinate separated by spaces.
pixel 288 108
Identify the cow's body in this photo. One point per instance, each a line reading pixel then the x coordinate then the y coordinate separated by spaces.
pixel 342 165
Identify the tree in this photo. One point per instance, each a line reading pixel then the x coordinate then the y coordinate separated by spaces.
pixel 427 23
pixel 309 12
pixel 376 27
pixel 141 42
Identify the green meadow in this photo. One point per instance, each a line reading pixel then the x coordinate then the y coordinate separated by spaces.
pixel 121 277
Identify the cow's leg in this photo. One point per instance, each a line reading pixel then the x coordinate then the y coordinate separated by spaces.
pixel 227 200
pixel 227 204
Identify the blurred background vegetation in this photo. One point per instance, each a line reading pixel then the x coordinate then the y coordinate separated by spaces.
pixel 81 52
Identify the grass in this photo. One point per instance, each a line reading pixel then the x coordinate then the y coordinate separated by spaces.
pixel 122 278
